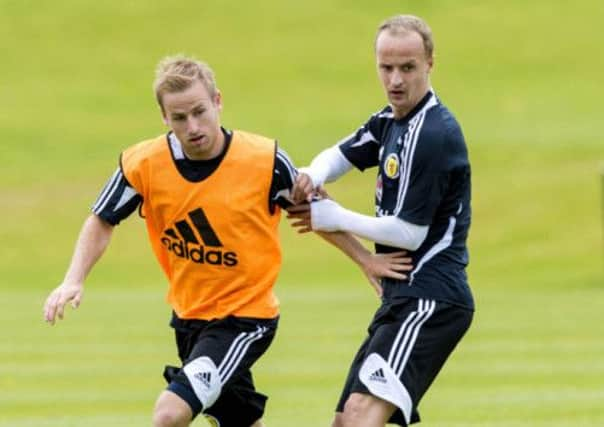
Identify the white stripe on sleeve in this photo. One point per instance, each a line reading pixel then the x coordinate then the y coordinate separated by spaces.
pixel 108 191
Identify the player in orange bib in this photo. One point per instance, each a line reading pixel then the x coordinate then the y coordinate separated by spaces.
pixel 211 200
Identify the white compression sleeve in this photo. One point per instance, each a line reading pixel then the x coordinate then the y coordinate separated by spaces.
pixel 327 166
pixel 327 215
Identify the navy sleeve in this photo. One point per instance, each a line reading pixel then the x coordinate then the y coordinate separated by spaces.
pixel 284 175
pixel 117 200
pixel 363 146
pixel 426 177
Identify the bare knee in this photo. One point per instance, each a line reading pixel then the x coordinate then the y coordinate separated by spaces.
pixel 171 411
pixel 356 408
pixel 167 418
pixel 365 410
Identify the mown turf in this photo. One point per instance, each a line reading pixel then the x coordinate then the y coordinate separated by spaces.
pixel 524 80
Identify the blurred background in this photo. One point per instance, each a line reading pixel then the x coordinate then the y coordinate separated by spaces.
pixel 523 78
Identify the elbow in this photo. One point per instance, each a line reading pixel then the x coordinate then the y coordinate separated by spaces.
pixel 411 237
pixel 413 246
pixel 407 244
pixel 417 239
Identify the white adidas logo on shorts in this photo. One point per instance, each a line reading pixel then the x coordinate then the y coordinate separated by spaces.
pixel 378 376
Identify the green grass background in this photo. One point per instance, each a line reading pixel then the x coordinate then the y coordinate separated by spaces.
pixel 524 79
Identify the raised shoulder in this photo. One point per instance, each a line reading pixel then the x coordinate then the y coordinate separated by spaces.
pixel 144 156
pixel 255 150
pixel 447 137
pixel 433 129
pixel 254 139
pixel 149 148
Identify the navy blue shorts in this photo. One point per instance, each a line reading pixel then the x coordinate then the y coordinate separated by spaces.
pixel 409 341
pixel 217 356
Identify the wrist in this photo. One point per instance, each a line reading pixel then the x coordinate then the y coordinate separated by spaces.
pixel 67 281
pixel 362 256
pixel 308 171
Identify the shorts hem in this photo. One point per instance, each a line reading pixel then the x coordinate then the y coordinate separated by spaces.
pixel 188 396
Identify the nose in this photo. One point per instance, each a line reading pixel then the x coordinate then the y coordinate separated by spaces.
pixel 396 79
pixel 192 125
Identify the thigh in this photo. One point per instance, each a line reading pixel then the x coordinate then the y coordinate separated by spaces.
pixel 383 315
pixel 216 376
pixel 435 341
pixel 353 373
pixel 234 345
pixel 407 346
pixel 240 404
pixel 171 409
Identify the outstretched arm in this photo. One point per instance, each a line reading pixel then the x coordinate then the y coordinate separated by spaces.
pixel 92 242
pixel 374 266
pixel 328 166
pixel 327 215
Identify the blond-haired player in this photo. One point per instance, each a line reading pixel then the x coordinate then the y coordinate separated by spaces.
pixel 211 200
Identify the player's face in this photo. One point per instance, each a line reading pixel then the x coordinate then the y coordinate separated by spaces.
pixel 194 116
pixel 404 69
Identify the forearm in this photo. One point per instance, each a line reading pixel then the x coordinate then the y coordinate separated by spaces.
pixel 92 242
pixel 327 166
pixel 326 215
pixel 347 243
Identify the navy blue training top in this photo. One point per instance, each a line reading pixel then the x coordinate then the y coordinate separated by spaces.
pixel 423 178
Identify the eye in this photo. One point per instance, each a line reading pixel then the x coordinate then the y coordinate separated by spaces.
pixel 178 118
pixel 408 67
pixel 199 112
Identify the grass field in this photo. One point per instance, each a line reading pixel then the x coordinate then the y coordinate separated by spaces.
pixel 524 79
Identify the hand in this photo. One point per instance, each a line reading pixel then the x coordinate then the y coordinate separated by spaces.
pixel 58 298
pixel 321 193
pixel 378 266
pixel 302 189
pixel 300 216
pixel 320 215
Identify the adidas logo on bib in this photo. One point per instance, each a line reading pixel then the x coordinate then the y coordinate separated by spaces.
pixel 184 242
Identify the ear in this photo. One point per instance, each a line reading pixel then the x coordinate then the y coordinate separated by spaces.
pixel 430 63
pixel 163 116
pixel 218 100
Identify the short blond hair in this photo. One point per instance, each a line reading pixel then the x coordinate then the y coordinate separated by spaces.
pixel 401 24
pixel 178 73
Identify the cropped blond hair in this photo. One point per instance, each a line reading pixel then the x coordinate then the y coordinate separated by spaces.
pixel 401 24
pixel 178 73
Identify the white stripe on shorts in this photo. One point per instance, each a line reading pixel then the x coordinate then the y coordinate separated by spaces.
pixel 407 335
pixel 236 352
